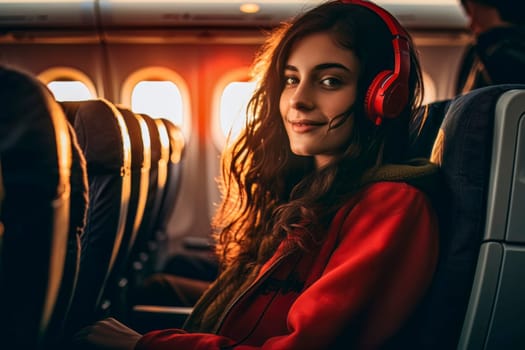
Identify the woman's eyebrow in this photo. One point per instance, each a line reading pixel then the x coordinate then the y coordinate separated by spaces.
pixel 330 65
pixel 320 67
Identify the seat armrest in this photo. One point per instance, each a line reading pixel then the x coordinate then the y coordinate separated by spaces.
pixel 145 318
pixel 198 243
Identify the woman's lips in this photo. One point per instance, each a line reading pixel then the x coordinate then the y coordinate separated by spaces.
pixel 304 126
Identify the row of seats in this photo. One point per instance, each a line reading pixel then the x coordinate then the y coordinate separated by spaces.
pixel 87 187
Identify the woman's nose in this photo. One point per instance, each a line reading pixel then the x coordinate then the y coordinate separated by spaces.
pixel 302 98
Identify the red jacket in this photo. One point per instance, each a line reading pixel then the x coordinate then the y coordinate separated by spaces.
pixel 353 293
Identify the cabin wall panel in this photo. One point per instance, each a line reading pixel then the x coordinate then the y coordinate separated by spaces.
pixel 35 58
pixel 441 63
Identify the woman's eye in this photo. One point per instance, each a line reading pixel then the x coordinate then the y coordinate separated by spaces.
pixel 331 82
pixel 290 81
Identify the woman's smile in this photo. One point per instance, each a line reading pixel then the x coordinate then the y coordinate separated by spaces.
pixel 303 126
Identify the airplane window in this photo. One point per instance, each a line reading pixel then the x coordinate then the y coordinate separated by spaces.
pixel 234 100
pixel 68 84
pixel 158 99
pixel 69 90
pixel 160 93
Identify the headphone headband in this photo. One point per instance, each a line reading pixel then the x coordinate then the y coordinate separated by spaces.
pixel 393 25
pixel 388 93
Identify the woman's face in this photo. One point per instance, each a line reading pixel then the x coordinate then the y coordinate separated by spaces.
pixel 320 85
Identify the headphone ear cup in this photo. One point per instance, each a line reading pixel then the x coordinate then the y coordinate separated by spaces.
pixel 386 97
pixel 374 102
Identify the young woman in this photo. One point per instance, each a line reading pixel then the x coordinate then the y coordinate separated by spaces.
pixel 325 236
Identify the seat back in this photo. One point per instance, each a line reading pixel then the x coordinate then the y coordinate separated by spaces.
pixel 37 223
pixel 104 140
pixel 112 303
pixel 157 185
pixel 77 221
pixel 141 169
pixel 494 317
pixel 169 172
pixel 425 127
pixel 464 151
pixel 127 275
pixel 175 164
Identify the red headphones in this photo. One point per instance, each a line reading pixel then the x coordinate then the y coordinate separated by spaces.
pixel 387 95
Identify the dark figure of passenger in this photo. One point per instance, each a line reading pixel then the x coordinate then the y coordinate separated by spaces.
pixel 324 240
pixel 498 54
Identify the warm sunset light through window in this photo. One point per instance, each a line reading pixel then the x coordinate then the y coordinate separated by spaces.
pixel 69 90
pixel 234 100
pixel 158 99
pixel 430 89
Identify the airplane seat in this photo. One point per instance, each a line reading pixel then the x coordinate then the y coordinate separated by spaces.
pixel 424 128
pixel 473 209
pixel 79 205
pixel 153 187
pixel 140 172
pixel 42 212
pixel 175 163
pixel 105 142
pixel 494 317
pixel 147 250
pixel 177 149
pixel 157 186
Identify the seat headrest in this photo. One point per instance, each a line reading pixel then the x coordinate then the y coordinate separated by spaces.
pixel 31 121
pixel 101 133
pixel 424 128
pixel 154 139
pixel 177 142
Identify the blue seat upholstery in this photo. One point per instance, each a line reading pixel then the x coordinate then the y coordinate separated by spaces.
pixel 104 140
pixel 42 213
pixel 494 317
pixel 464 151
pixel 425 127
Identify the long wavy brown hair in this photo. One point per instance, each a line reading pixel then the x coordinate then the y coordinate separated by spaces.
pixel 268 192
